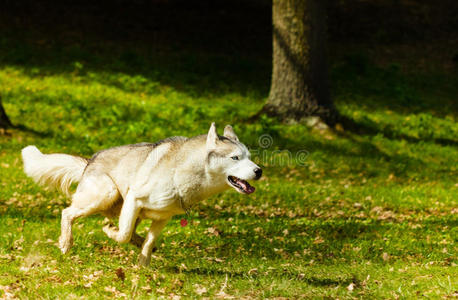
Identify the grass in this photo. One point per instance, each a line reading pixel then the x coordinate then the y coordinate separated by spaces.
pixel 368 214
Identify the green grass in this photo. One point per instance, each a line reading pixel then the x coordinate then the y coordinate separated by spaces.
pixel 359 215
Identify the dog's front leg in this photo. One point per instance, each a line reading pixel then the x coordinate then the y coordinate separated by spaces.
pixel 127 220
pixel 151 237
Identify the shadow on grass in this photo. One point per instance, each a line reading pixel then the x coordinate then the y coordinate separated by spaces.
pixel 337 235
pixel 198 48
pixel 370 128
pixel 397 163
pixel 212 50
pixel 312 280
pixel 33 131
pixel 203 61
pixel 195 74
pixel 360 81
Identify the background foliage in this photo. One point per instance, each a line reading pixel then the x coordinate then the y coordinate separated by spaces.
pixel 370 212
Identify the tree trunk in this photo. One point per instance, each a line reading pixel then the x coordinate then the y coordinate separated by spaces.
pixel 4 120
pixel 300 86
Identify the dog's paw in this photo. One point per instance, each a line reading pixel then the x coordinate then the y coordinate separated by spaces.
pixel 65 244
pixel 143 261
pixel 109 230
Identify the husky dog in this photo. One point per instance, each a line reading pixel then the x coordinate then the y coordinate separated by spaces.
pixel 144 181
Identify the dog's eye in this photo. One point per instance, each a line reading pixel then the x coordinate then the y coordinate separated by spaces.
pixel 235 158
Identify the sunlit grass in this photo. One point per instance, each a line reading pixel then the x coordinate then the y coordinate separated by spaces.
pixel 369 214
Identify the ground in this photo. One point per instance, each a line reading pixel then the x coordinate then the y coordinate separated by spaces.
pixel 366 211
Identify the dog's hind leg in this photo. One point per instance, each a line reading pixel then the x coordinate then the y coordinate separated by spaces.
pixel 66 237
pixel 151 237
pixel 136 239
pixel 94 194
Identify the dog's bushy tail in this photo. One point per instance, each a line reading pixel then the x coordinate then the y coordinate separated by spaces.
pixel 54 170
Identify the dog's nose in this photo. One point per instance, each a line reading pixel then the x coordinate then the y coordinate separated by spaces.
pixel 258 172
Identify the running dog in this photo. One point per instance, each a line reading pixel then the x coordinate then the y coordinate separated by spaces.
pixel 144 181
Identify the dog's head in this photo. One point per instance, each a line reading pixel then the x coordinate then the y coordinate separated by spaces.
pixel 229 160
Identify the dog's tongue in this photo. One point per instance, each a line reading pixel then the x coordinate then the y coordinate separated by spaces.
pixel 247 188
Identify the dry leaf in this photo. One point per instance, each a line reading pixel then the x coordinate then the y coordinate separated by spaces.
pixel 177 283
pixel 253 271
pixel 318 240
pixel 385 256
pixel 147 288
pixel 213 231
pixel 120 273
pixel 111 289
pixel 7 292
pixel 200 290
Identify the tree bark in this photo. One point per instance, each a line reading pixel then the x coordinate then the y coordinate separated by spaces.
pixel 300 86
pixel 4 120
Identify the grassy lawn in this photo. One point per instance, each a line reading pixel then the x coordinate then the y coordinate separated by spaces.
pixel 370 213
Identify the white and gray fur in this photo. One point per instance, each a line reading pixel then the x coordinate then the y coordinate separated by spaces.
pixel 142 181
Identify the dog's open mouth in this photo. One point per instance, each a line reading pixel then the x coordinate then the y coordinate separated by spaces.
pixel 241 185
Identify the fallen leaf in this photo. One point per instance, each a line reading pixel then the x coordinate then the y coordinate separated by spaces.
pixel 213 231
pixel 200 290
pixel 177 283
pixel 120 273
pixel 385 256
pixel 253 271
pixel 111 289
pixel 318 240
pixel 7 292
pixel 147 288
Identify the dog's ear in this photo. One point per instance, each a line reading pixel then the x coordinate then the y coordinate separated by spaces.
pixel 229 133
pixel 212 137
